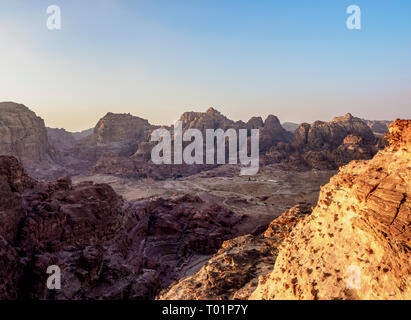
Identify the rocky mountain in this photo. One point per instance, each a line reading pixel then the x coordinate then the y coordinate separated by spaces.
pixel 82 134
pixel 139 165
pixel 271 131
pixel 120 143
pixel 23 135
pixel 378 127
pixel 321 135
pixel 356 243
pixel 61 140
pixel 114 133
pixel 328 145
pixel 106 247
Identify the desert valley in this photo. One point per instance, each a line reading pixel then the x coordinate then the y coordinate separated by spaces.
pixel 331 201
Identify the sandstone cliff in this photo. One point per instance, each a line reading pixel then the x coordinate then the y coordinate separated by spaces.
pixel 115 133
pixel 23 135
pixel 356 244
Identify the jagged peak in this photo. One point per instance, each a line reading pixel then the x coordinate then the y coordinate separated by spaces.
pixel 211 110
pixel 346 117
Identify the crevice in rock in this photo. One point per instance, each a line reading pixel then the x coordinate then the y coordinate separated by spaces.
pixel 404 198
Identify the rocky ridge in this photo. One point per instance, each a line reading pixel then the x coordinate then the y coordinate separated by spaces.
pixel 356 243
pixel 120 144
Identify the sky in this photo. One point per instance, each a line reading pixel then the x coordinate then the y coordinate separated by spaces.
pixel 157 59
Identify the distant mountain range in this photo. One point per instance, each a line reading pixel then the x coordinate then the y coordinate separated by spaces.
pixel 120 143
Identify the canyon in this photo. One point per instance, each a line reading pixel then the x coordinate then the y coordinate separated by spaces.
pixel 328 197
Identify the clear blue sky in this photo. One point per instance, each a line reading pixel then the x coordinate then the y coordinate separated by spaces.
pixel 157 59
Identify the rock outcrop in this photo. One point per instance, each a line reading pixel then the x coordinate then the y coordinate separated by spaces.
pixel 328 145
pixel 233 272
pixel 106 247
pixel 61 140
pixel 114 133
pixel 356 243
pixel 23 135
pixel 140 165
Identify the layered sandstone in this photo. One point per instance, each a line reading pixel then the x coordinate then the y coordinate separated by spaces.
pixel 356 244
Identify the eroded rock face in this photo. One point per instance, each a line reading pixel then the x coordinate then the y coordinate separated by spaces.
pixel 106 247
pixel 23 135
pixel 328 145
pixel 233 272
pixel 61 140
pixel 140 165
pixel 115 133
pixel 13 180
pixel 356 244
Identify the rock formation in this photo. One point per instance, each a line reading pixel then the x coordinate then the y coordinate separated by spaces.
pixel 120 144
pixel 106 247
pixel 112 161
pixel 328 145
pixel 61 140
pixel 23 135
pixel 378 127
pixel 233 272
pixel 356 243
pixel 114 133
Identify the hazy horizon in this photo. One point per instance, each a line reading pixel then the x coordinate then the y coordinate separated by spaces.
pixel 156 60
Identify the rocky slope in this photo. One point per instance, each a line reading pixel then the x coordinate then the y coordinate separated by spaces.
pixel 61 140
pixel 356 244
pixel 233 272
pixel 106 247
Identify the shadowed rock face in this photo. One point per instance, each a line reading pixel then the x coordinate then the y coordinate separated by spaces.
pixel 356 244
pixel 13 180
pixel 107 248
